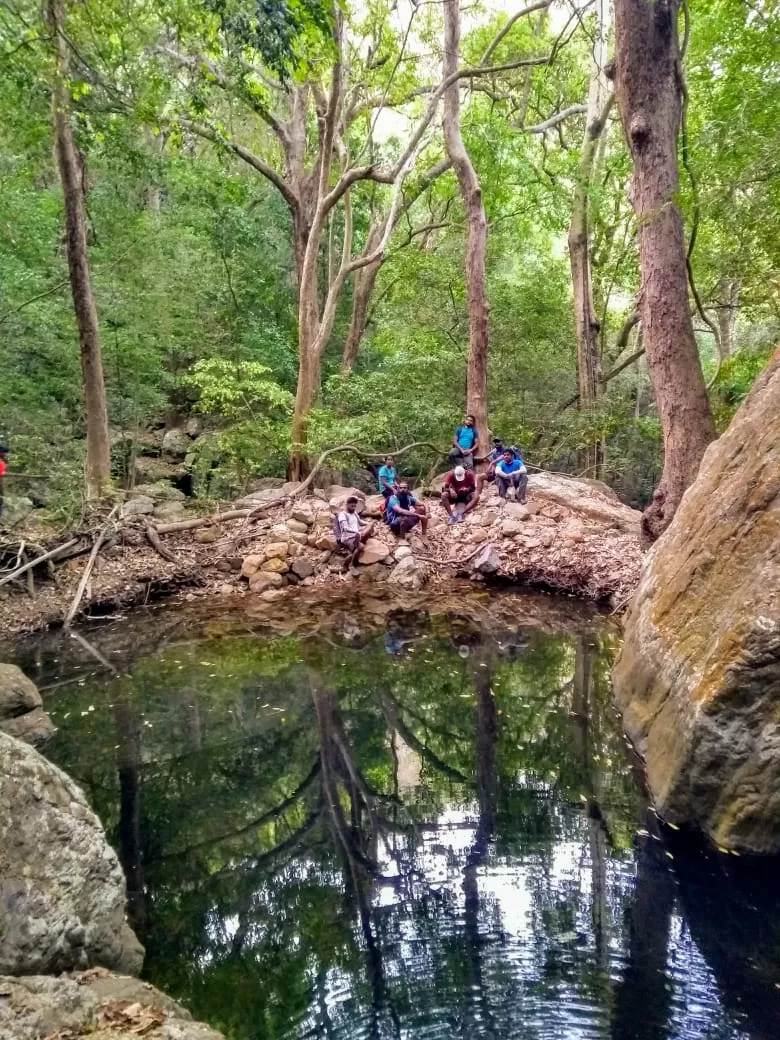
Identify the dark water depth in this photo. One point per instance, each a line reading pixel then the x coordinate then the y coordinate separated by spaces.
pixel 386 823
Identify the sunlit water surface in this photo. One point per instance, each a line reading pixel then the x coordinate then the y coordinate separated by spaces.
pixel 370 822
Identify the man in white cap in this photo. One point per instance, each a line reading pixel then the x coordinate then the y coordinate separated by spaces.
pixel 460 488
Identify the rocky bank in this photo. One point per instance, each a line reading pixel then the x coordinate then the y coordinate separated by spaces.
pixel 573 536
pixel 699 673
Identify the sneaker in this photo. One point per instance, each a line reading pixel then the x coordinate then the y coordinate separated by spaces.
pixel 452 520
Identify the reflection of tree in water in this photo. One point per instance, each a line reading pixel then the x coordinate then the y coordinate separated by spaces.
pixel 294 886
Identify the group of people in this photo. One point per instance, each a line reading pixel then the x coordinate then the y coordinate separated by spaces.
pixel 461 490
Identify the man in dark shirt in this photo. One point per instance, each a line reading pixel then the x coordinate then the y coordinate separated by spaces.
pixel 460 488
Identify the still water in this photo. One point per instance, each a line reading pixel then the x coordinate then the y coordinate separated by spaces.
pixel 362 821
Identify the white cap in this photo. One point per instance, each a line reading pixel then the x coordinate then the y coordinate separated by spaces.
pixel 460 473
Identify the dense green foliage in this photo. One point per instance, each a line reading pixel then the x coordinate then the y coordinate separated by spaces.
pixel 193 262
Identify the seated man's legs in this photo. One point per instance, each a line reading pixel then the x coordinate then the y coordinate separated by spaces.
pixel 447 501
pixel 521 486
pixel 502 483
pixel 470 498
pixel 422 511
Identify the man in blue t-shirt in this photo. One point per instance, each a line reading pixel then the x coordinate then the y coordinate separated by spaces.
pixel 387 477
pixel 404 512
pixel 464 443
pixel 495 456
pixel 511 472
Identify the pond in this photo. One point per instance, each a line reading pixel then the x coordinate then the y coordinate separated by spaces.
pixel 367 820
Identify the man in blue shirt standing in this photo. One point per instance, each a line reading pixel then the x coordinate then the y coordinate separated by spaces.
pixel 464 443
pixel 387 477
pixel 511 472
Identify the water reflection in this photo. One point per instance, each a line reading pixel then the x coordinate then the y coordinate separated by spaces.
pixel 410 826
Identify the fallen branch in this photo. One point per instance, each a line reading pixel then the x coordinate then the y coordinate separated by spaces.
pixel 209 521
pixel 88 569
pixel 39 559
pixel 153 538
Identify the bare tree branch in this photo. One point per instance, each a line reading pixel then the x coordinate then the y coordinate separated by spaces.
pixel 548 124
pixel 541 5
pixel 250 158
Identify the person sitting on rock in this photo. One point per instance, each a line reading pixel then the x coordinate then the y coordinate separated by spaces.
pixel 353 532
pixel 387 477
pixel 460 487
pixel 404 512
pixel 496 454
pixel 511 472
pixel 464 443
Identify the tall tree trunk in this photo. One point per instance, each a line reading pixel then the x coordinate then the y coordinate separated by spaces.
pixel 649 95
pixel 476 241
pixel 98 447
pixel 587 325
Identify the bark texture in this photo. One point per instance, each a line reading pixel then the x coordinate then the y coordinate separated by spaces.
pixel 70 170
pixel 587 325
pixel 476 239
pixel 649 95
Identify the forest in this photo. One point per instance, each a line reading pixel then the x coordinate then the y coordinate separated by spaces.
pixel 286 227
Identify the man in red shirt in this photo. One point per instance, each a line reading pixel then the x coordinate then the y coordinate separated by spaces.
pixel 460 487
pixel 3 455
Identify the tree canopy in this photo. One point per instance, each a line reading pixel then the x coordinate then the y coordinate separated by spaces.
pixel 276 239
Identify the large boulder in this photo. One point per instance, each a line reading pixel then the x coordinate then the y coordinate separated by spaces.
pixel 16 508
pixel 115 1006
pixel 699 673
pixel 18 694
pixel 21 708
pixel 374 551
pixel 410 574
pixel 176 444
pixel 590 498
pixel 62 890
pixel 140 505
pixel 338 495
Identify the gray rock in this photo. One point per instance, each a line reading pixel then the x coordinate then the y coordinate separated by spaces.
pixel 18 694
pixel 62 890
pixel 160 491
pixel 402 552
pixel 141 505
pixel 193 426
pixel 303 514
pixel 297 526
pixel 176 444
pixel 16 508
pixel 40 1006
pixel 150 470
pixel 487 561
pixel 207 535
pixel 516 511
pixel 169 511
pixel 410 574
pixel 34 727
pixel 512 527
pixel 302 567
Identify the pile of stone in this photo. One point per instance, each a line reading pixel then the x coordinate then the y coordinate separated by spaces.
pixel 572 535
pixel 302 548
